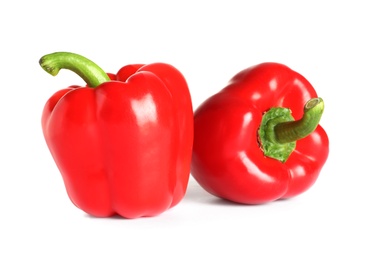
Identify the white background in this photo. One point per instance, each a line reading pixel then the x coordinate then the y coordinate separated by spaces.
pixel 209 42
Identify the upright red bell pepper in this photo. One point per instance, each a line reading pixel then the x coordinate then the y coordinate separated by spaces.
pixel 123 146
pixel 247 146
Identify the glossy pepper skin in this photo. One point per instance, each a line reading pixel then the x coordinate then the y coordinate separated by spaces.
pixel 228 158
pixel 124 146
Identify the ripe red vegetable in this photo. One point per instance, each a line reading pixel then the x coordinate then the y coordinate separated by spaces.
pixel 123 146
pixel 247 146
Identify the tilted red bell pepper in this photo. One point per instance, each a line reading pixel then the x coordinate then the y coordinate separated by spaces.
pixel 123 146
pixel 247 146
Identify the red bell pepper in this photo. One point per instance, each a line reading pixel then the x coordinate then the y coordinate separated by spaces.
pixel 247 146
pixel 123 146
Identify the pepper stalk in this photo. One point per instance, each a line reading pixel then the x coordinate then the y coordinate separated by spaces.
pixel 279 131
pixel 89 71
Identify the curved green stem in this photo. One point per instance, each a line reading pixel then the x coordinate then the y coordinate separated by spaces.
pixel 292 131
pixel 279 131
pixel 92 74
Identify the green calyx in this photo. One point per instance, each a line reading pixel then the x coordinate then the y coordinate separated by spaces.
pixel 267 136
pixel 279 131
pixel 90 72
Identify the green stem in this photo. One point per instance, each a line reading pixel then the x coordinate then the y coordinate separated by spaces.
pixel 292 131
pixel 279 131
pixel 90 72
